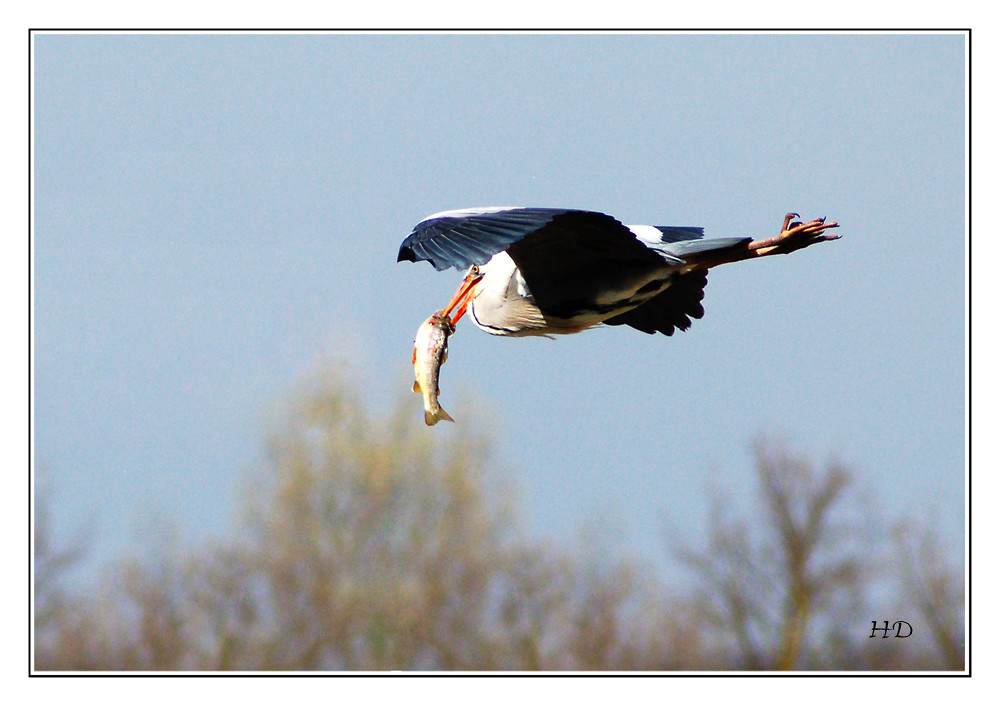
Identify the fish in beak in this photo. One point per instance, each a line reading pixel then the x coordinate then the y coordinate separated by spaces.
pixel 430 351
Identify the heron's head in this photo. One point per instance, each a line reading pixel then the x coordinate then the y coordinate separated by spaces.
pixel 465 294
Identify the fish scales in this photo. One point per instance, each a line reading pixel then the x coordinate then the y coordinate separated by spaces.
pixel 430 351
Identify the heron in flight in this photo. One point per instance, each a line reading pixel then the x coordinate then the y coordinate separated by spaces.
pixel 543 271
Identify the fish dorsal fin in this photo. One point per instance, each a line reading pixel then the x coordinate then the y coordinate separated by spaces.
pixel 416 387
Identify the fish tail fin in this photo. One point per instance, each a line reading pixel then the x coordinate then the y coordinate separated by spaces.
pixel 432 418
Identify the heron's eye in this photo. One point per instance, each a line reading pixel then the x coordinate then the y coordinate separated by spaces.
pixel 474 270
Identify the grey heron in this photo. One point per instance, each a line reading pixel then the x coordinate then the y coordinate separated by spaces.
pixel 542 271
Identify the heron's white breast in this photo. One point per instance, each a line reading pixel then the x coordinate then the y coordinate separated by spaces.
pixel 503 304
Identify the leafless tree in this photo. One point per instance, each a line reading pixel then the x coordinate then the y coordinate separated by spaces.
pixel 933 582
pixel 767 579
pixel 374 545
pixel 390 548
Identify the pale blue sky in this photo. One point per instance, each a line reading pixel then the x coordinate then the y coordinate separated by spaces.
pixel 217 215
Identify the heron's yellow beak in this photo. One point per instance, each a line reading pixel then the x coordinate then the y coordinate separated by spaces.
pixel 464 295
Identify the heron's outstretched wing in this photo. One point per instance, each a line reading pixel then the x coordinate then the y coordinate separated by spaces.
pixel 671 309
pixel 472 236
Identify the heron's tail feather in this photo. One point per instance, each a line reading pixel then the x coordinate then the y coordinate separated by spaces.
pixel 688 248
pixel 670 310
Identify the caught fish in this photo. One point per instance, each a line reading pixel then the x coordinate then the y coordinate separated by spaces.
pixel 430 351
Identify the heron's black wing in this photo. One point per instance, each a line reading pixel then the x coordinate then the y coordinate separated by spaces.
pixel 471 237
pixel 583 261
pixel 671 309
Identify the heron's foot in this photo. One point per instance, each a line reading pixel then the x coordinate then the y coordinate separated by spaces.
pixel 795 235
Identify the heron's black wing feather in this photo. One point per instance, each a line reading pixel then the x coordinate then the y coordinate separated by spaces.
pixel 471 237
pixel 671 309
pixel 677 234
pixel 579 259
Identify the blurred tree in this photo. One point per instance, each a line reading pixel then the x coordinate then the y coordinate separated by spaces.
pixel 375 549
pixel 390 548
pixel 376 545
pixel 52 564
pixel 364 546
pixel 933 580
pixel 767 579
pixel 52 606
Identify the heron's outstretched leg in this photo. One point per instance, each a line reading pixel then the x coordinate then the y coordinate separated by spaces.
pixel 794 235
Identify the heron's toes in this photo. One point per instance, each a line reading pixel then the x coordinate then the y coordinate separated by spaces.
pixel 788 219
pixel 796 234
